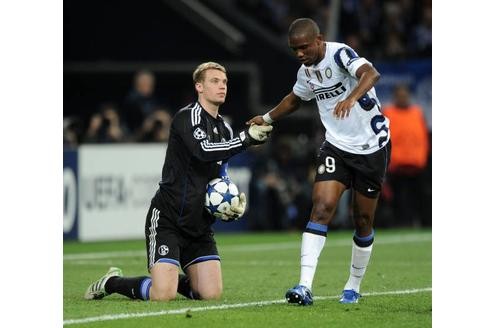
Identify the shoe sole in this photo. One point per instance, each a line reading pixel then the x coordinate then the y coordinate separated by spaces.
pixel 90 296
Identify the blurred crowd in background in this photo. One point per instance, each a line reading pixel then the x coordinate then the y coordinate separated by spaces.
pixel 393 29
pixel 283 171
pixel 138 117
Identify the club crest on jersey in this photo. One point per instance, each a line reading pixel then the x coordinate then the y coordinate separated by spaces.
pixel 163 250
pixel 328 72
pixel 199 133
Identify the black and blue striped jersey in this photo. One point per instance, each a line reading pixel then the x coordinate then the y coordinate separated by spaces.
pixel 198 145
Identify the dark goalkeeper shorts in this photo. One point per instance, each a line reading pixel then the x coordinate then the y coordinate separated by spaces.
pixel 165 243
pixel 363 173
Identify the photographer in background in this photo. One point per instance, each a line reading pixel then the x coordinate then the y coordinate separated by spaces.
pixel 106 126
pixel 156 127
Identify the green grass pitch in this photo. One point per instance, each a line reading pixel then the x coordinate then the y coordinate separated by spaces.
pixel 257 270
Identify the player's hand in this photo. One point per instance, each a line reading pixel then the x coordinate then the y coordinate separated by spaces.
pixel 239 205
pixel 343 108
pixel 256 120
pixel 236 209
pixel 256 134
pixel 260 132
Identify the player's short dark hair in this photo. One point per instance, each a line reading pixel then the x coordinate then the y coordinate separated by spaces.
pixel 304 26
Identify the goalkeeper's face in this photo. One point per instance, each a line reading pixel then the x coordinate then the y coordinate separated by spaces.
pixel 307 48
pixel 213 88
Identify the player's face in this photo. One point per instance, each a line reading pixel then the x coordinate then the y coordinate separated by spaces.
pixel 306 48
pixel 213 88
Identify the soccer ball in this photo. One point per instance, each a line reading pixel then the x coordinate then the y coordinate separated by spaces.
pixel 219 194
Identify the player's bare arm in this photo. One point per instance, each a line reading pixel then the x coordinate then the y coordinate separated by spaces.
pixel 288 105
pixel 367 76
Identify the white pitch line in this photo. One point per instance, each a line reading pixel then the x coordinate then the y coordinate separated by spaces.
pixel 102 255
pixel 108 317
pixel 414 238
pixel 330 243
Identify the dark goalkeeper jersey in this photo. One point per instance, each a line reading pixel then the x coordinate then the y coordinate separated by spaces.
pixel 197 146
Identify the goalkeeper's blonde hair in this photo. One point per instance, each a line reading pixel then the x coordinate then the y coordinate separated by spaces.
pixel 198 75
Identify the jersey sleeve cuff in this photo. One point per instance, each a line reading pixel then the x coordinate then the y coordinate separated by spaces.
pixel 352 69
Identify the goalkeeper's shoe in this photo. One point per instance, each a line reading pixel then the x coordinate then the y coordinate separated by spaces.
pixel 299 294
pixel 96 290
pixel 349 296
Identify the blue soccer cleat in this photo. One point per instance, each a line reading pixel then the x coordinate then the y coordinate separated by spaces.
pixel 299 294
pixel 349 296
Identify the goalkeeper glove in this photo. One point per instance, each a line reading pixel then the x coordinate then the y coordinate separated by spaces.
pixel 256 134
pixel 237 208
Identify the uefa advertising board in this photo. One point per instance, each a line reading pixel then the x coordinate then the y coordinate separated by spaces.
pixel 108 190
pixel 116 183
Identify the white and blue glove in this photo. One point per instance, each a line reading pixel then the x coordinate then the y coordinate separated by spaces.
pixel 236 209
pixel 256 134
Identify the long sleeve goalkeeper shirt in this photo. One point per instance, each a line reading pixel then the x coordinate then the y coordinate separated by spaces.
pixel 198 145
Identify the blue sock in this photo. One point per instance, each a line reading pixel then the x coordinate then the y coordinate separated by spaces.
pixel 364 241
pixel 145 289
pixel 316 228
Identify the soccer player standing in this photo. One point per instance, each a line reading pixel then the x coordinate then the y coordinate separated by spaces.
pixel 178 228
pixel 354 155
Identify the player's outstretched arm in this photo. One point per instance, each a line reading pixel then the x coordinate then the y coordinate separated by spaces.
pixel 197 142
pixel 367 76
pixel 289 104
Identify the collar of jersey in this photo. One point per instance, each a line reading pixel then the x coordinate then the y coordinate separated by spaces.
pixel 219 117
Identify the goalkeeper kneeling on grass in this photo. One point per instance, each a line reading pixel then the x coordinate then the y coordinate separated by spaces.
pixel 178 228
